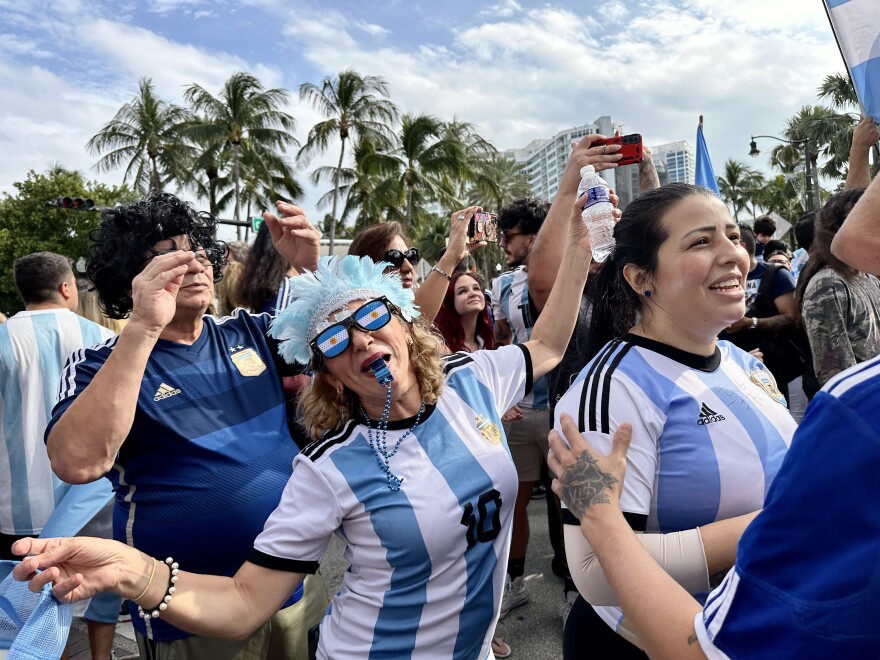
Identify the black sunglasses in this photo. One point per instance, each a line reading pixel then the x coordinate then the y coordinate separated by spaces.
pixel 396 257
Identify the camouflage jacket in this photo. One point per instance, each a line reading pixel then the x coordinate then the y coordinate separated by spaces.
pixel 842 318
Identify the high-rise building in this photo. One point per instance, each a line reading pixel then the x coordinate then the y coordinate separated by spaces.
pixel 544 160
pixel 679 159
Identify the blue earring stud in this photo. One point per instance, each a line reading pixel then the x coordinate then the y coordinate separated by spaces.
pixel 648 293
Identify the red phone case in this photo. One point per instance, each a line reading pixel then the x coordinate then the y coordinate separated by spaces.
pixel 630 147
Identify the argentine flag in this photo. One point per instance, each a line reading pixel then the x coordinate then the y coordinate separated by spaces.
pixel 856 24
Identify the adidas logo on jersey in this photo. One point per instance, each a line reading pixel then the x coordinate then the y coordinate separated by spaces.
pixel 708 416
pixel 165 392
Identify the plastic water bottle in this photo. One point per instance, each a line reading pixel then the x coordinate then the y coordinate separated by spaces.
pixel 598 213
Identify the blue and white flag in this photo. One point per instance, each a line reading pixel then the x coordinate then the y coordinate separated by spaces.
pixel 856 24
pixel 705 174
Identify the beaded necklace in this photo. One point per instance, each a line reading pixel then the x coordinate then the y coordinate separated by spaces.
pixel 379 443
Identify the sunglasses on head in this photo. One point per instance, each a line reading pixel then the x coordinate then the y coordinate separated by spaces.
pixel 396 257
pixel 333 340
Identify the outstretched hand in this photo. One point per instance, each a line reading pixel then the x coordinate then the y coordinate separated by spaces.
pixel 78 568
pixel 295 238
pixel 585 478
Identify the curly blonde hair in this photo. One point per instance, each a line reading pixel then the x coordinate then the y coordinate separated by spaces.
pixel 322 407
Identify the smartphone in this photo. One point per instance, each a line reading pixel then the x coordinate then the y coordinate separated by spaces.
pixel 630 148
pixel 483 227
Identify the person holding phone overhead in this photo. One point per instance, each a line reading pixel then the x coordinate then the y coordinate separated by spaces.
pixel 386 242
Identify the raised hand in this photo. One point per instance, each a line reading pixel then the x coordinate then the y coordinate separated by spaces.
pixel 78 568
pixel 154 290
pixel 603 157
pixel 458 227
pixel 585 478
pixel 295 238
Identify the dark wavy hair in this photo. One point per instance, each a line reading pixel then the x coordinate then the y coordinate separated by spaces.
pixel 126 237
pixel 526 214
pixel 264 270
pixel 637 240
pixel 828 223
pixel 448 321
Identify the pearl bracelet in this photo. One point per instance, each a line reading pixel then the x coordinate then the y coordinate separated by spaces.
pixel 169 592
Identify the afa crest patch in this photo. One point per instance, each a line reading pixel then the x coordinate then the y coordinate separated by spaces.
pixel 248 362
pixel 764 379
pixel 488 428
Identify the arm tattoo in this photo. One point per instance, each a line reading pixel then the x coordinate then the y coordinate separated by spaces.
pixel 692 639
pixel 648 178
pixel 584 484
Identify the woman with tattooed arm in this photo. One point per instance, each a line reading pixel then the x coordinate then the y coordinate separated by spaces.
pixel 710 427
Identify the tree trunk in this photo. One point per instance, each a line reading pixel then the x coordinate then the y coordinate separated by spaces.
pixel 236 215
pixel 408 218
pixel 154 174
pixel 335 198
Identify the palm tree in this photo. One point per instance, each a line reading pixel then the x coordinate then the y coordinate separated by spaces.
pixel 355 106
pixel 416 170
pixel 145 137
pixel 497 181
pixel 243 125
pixel 735 185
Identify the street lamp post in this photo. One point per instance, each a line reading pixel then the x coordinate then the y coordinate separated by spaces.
pixel 812 191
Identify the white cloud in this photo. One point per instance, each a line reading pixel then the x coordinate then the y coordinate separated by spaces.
pixel 503 9
pixel 517 73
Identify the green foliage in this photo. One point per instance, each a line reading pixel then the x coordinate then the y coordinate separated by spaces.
pixel 27 225
pixel 145 138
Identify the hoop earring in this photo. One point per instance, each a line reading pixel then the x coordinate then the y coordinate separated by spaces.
pixel 648 293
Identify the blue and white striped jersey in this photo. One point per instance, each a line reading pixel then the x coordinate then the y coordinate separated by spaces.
pixel 209 450
pixel 511 302
pixel 805 582
pixel 33 348
pixel 709 434
pixel 427 561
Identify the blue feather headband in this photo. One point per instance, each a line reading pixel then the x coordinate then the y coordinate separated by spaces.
pixel 335 283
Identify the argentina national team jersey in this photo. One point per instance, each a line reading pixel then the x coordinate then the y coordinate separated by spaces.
pixel 208 453
pixel 805 584
pixel 33 348
pixel 511 303
pixel 709 434
pixel 427 561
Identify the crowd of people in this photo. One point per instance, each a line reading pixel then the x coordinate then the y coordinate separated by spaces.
pixel 242 406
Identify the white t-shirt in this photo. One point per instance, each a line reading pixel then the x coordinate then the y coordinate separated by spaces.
pixel 428 561
pixel 33 349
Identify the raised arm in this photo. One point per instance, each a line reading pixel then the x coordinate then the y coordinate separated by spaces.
pixel 546 255
pixel 553 329
pixel 84 442
pixel 865 136
pixel 857 242
pixel 429 296
pixel 210 605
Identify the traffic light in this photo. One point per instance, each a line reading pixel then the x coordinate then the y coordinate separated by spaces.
pixel 73 203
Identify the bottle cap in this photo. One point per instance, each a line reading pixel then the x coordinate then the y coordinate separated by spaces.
pixel 587 169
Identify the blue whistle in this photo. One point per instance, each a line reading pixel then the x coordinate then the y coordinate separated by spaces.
pixel 380 371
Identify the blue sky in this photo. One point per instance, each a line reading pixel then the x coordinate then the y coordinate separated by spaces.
pixel 517 69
